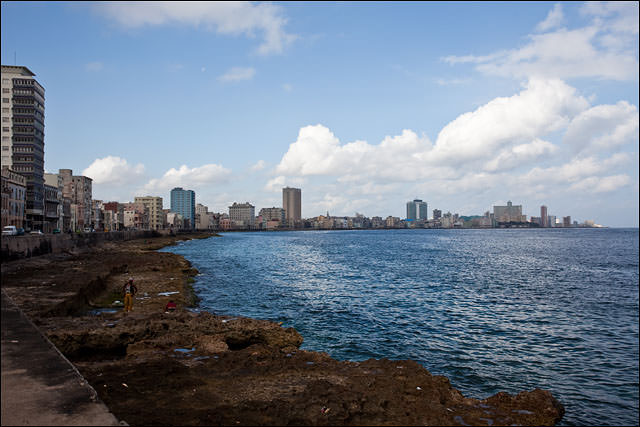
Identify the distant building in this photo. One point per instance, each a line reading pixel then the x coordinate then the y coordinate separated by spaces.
pixel 55 180
pixel 51 203
pixel 23 137
pixel 155 213
pixel 437 214
pixel 242 214
pixel 184 203
pixel 566 221
pixel 273 214
pixel 202 217
pixel 509 213
pixel 417 210
pixel 292 203
pixel 78 190
pixel 14 190
pixel 544 217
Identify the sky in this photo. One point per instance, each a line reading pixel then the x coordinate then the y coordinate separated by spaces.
pixel 364 106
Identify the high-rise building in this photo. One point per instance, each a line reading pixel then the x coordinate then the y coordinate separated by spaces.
pixel 272 214
pixel 153 205
pixel 292 203
pixel 437 213
pixel 544 217
pixel 184 203
pixel 23 136
pixel 566 221
pixel 417 209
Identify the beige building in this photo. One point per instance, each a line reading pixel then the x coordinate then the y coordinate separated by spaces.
pixel 509 213
pixel 242 214
pixel 23 137
pixel 292 203
pixel 14 190
pixel 156 215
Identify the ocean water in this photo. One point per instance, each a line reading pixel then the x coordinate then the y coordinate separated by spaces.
pixel 493 310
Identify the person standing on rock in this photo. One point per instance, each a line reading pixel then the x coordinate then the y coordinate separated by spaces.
pixel 129 290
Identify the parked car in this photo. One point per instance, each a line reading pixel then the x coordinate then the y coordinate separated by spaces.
pixel 56 231
pixel 10 230
pixel 20 231
pixel 36 232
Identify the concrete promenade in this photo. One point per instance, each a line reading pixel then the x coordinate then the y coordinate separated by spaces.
pixel 40 387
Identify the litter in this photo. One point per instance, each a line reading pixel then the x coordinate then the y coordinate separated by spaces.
pixel 325 410
pixel 125 385
pixel 166 294
pixel 229 320
pixel 418 388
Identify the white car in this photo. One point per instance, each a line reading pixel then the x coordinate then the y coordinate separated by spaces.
pixel 36 232
pixel 10 230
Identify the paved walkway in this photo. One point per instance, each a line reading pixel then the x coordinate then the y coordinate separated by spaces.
pixel 40 387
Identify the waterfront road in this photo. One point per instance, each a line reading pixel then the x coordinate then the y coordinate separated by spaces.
pixel 40 387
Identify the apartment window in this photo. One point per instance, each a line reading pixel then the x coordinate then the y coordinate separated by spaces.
pixel 5 81
pixel 5 90
pixel 5 100
pixel 5 148
pixel 5 110
pixel 6 119
pixel 5 129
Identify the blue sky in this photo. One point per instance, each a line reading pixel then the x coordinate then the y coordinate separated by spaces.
pixel 362 105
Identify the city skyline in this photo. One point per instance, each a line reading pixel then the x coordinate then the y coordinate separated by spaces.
pixel 363 112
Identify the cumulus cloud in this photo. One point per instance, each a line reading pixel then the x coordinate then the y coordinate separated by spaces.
pixel 607 48
pixel 603 127
pixel 113 170
pixel 236 74
pixel 555 18
pixel 542 107
pixel 503 134
pixel 228 18
pixel 186 177
pixel 259 165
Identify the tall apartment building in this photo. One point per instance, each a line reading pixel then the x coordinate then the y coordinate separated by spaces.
pixel 292 203
pixel 566 221
pixel 417 209
pixel 153 205
pixel 78 190
pixel 202 217
pixel 23 136
pixel 242 214
pixel 184 203
pixel 544 217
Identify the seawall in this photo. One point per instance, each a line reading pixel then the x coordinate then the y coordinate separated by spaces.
pixel 27 246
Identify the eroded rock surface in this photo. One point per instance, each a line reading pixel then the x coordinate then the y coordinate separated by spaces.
pixel 187 368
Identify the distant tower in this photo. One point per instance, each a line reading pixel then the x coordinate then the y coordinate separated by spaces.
pixel 544 217
pixel 417 209
pixel 292 203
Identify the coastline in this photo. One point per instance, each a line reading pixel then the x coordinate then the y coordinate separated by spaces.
pixel 188 368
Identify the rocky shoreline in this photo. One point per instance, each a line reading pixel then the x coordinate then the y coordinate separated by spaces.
pixel 190 368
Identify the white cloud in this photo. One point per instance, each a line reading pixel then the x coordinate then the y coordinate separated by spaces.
pixel 189 178
pixel 503 134
pixel 602 184
pixel 542 107
pixel 229 18
pixel 259 165
pixel 94 66
pixel 603 127
pixel 607 48
pixel 555 18
pixel 236 74
pixel 113 170
pixel 520 154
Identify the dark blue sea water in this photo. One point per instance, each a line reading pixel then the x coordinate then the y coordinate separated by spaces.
pixel 493 310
